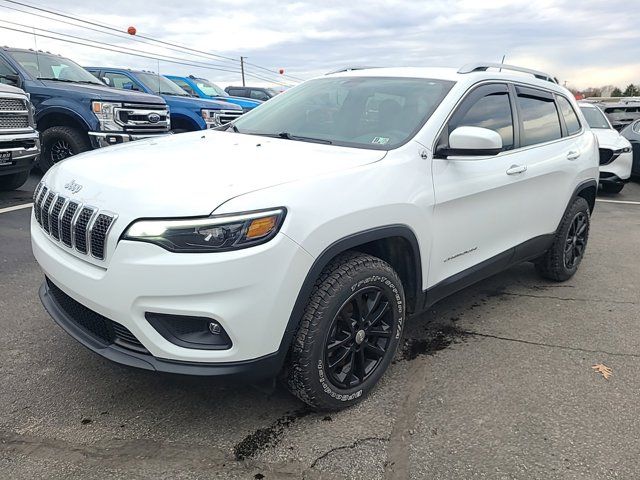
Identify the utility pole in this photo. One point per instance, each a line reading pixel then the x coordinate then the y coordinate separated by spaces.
pixel 242 69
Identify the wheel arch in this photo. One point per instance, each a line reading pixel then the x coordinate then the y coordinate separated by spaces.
pixel 395 244
pixel 588 191
pixel 61 117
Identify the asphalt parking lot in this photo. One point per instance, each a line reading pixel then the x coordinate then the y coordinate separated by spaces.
pixel 495 382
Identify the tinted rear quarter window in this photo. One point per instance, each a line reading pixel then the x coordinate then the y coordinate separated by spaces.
pixel 539 118
pixel 569 115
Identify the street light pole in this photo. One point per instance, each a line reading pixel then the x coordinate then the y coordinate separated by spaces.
pixel 242 69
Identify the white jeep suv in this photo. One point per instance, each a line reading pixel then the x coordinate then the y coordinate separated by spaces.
pixel 298 241
pixel 616 153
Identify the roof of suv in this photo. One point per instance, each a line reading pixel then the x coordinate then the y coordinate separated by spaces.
pixel 465 75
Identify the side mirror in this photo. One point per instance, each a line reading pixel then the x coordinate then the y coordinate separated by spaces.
pixel 11 79
pixel 105 80
pixel 127 85
pixel 473 141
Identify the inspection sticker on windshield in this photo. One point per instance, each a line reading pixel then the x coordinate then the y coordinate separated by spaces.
pixel 380 140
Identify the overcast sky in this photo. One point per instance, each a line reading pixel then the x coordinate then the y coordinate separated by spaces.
pixel 587 42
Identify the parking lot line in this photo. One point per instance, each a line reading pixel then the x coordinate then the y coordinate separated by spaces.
pixel 627 202
pixel 16 207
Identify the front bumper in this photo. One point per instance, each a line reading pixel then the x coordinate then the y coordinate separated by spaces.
pixel 265 367
pixel 249 292
pixel 620 167
pixel 104 139
pixel 24 148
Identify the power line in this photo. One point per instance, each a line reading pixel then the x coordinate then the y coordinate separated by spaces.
pixel 182 47
pixel 118 50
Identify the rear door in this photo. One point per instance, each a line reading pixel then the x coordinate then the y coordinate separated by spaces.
pixel 478 212
pixel 551 144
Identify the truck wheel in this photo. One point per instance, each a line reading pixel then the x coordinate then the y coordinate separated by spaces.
pixel 59 143
pixel 561 261
pixel 612 187
pixel 349 332
pixel 13 181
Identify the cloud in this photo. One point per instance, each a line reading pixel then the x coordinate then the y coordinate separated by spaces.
pixel 583 42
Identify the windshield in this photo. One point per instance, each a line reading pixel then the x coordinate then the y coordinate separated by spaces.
pixel 595 117
pixel 161 85
pixel 366 112
pixel 210 89
pixel 52 67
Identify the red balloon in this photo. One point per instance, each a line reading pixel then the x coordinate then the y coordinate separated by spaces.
pixel 131 30
pixel 281 71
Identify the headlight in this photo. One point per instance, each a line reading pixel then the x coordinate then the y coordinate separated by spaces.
pixel 106 113
pixel 623 150
pixel 212 234
pixel 211 117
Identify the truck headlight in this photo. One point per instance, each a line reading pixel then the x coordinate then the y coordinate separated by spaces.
pixel 106 113
pixel 212 234
pixel 211 117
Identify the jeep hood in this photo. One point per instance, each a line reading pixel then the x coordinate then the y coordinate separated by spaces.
pixel 191 174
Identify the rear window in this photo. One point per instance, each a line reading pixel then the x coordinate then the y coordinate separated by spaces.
pixel 569 115
pixel 540 120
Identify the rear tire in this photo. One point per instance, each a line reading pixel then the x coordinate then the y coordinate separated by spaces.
pixel 348 334
pixel 13 181
pixel 612 187
pixel 59 143
pixel 562 260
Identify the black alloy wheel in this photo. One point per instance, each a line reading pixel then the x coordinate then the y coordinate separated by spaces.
pixel 576 240
pixel 60 150
pixel 359 337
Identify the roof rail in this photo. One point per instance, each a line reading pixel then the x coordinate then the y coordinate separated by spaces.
pixel 348 69
pixel 482 67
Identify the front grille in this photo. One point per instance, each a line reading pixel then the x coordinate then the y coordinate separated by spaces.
pixel 14 121
pixel 607 156
pixel 100 327
pixel 12 104
pixel 227 116
pixel 75 225
pixel 136 118
pixel 54 217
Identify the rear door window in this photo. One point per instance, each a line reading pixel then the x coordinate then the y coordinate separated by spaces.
pixel 538 116
pixel 569 115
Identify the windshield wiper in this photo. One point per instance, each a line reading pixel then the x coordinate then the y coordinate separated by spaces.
pixel 69 81
pixel 298 138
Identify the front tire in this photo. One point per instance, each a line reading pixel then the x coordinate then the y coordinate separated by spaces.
pixel 561 261
pixel 59 143
pixel 13 181
pixel 349 332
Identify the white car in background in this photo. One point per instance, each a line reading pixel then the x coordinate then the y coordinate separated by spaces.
pixel 616 153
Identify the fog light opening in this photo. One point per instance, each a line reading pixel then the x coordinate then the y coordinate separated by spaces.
pixel 215 328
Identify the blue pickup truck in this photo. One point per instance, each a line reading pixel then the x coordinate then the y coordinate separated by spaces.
pixel 74 111
pixel 203 88
pixel 188 113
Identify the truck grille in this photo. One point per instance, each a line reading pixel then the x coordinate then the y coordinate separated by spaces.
pixel 227 116
pixel 14 121
pixel 14 114
pixel 99 327
pixel 73 224
pixel 144 118
pixel 12 104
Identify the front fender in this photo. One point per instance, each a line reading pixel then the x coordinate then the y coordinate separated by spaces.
pixel 187 116
pixel 69 108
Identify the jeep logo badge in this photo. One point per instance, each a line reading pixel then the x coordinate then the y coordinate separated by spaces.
pixel 153 118
pixel 73 187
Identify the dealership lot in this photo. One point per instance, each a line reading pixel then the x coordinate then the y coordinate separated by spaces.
pixel 495 382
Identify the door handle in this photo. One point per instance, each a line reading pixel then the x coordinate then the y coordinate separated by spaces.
pixel 573 155
pixel 515 169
